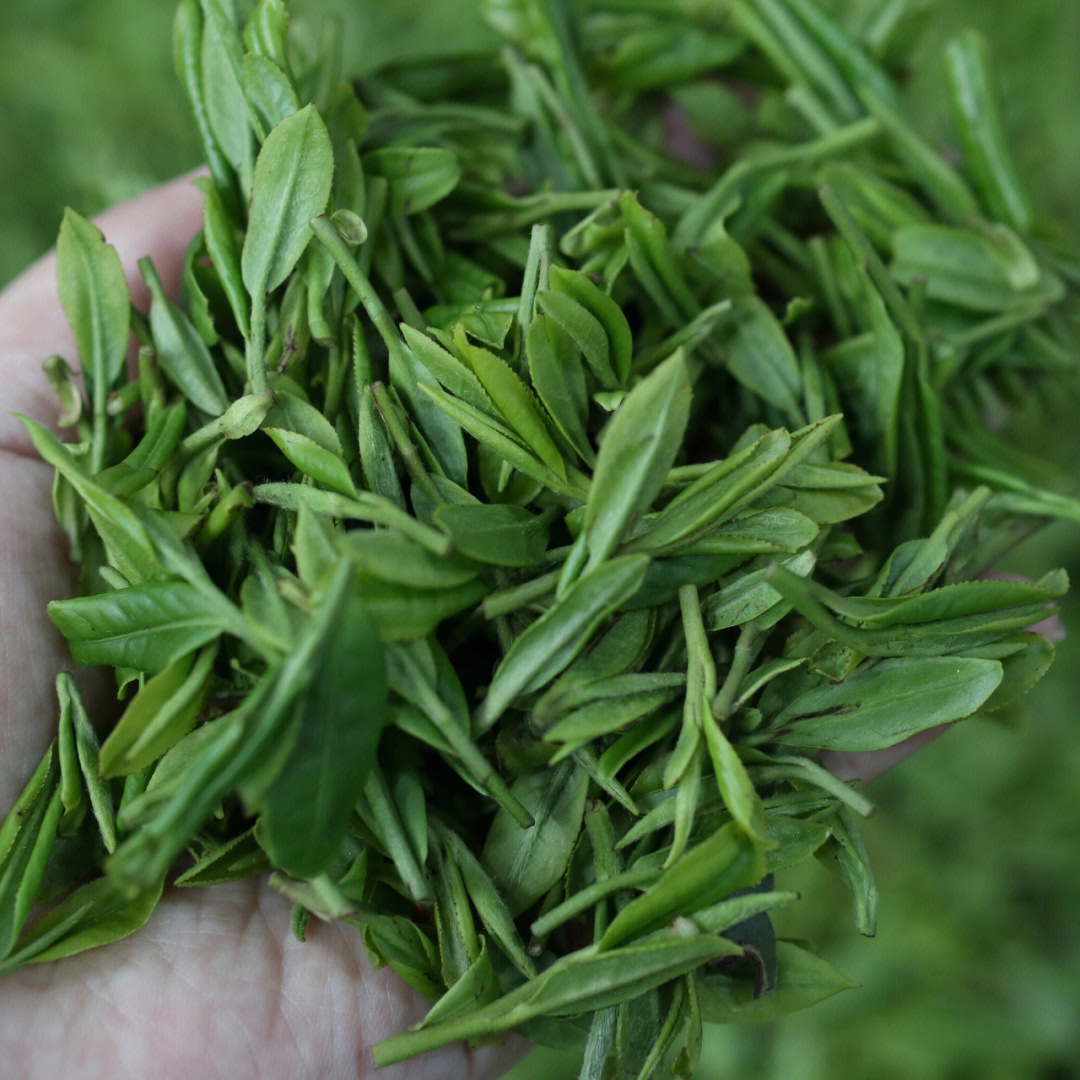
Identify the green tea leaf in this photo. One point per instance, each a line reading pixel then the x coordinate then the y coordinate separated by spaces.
pixel 512 399
pixel 978 271
pixel 496 534
pixel 88 750
pixel 145 627
pixel 639 447
pixel 341 715
pixel 549 644
pixel 855 867
pixel 706 873
pixel 403 613
pixel 559 381
pixel 576 984
pixel 94 294
pixel 477 986
pixel 268 90
pixel 585 330
pixel 26 838
pixel 418 177
pixel 803 980
pixel 525 863
pixel 159 715
pixel 391 557
pixel 759 355
pixel 291 185
pixel 187 59
pixel 124 537
pixel 887 702
pixel 237 858
pixel 456 376
pixel 222 89
pixel 620 342
pixel 982 134
pixel 322 465
pixel 93 915
pixel 181 351
pixel 224 251
pixel 489 903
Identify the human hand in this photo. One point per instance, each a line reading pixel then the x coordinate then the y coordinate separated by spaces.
pixel 214 985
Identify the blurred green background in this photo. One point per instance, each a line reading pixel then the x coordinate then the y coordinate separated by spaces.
pixel 975 972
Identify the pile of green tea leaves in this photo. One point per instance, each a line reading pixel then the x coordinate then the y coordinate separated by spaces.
pixel 614 419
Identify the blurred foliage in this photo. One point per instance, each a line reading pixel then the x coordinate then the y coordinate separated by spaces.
pixel 92 113
pixel 976 969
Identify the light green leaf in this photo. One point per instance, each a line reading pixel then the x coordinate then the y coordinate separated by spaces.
pixel 293 176
pixel 322 465
pixel 181 350
pixel 94 294
pixel 418 177
pixel 159 715
pixel 125 539
pixel 26 838
pixel 497 534
pixel 558 378
pixel 638 447
pixel 543 650
pixel 525 862
pixel 760 356
pixel 512 399
pixel 93 915
pixel 145 627
pixel 729 860
pixel 88 750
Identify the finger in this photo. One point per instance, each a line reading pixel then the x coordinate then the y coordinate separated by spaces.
pixel 159 223
pixel 34 569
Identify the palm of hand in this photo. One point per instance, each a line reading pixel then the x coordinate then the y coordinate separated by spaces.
pixel 214 985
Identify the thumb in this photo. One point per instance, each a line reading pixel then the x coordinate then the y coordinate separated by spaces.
pixel 159 223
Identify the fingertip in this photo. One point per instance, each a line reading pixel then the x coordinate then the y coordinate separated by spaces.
pixel 160 224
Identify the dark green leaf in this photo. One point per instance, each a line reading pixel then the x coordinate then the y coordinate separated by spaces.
pixel 341 715
pixel 803 980
pixel 497 534
pixel 887 702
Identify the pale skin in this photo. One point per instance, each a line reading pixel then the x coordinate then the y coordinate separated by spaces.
pixel 214 985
